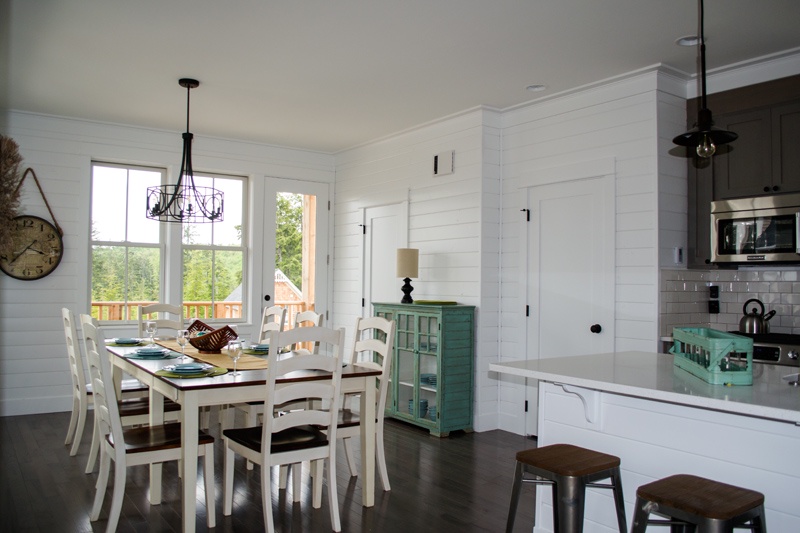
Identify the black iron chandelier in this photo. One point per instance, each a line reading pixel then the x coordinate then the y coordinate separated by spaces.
pixel 185 201
pixel 704 136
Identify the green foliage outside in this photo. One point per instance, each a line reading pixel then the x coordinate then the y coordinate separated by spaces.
pixel 289 237
pixel 208 275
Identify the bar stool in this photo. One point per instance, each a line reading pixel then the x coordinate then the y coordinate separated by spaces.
pixel 691 502
pixel 570 469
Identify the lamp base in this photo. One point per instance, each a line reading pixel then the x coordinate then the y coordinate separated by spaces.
pixel 407 288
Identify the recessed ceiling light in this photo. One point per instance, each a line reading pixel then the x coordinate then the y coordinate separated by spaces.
pixel 536 88
pixel 688 40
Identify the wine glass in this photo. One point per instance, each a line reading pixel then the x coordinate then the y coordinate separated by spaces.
pixel 151 328
pixel 235 352
pixel 183 338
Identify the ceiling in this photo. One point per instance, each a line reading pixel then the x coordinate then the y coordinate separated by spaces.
pixel 329 75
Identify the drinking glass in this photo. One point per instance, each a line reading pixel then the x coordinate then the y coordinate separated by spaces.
pixel 151 328
pixel 235 352
pixel 183 338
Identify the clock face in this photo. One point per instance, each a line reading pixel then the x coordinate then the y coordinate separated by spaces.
pixel 36 250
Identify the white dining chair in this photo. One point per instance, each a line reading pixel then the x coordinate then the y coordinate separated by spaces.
pixel 166 317
pixel 373 347
pixel 81 388
pixel 133 446
pixel 293 437
pixel 273 319
pixel 133 410
pixel 305 319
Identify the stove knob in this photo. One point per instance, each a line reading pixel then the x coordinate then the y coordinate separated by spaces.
pixel 792 354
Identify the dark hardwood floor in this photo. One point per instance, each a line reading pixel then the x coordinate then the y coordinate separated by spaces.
pixel 460 483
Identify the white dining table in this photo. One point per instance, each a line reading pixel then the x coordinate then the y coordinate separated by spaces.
pixel 225 389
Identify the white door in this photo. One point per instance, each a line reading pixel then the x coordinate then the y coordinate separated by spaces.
pixel 570 280
pixel 385 230
pixel 296 242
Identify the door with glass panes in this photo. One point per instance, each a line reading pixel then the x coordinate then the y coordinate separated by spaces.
pixel 417 366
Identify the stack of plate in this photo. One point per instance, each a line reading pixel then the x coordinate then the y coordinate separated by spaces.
pixel 430 379
pixel 152 353
pixel 189 368
pixel 263 348
pixel 124 341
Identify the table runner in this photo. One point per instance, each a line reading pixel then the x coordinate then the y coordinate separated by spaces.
pixel 246 362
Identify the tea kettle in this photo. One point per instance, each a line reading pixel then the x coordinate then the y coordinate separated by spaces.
pixel 755 321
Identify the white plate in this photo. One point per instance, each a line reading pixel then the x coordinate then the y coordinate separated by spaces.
pixel 188 368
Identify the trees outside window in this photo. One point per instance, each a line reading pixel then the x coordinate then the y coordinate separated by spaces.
pixel 130 260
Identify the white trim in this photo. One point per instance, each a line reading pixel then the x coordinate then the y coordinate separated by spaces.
pixel 573 171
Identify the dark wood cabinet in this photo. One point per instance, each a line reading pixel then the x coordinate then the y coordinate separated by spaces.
pixel 786 147
pixel 744 167
pixel 764 160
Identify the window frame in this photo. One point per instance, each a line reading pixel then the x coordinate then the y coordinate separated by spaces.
pixel 170 244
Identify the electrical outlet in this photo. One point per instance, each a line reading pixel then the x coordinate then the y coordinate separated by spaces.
pixel 714 291
pixel 713 307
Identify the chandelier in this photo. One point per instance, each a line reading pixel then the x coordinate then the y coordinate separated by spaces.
pixel 185 201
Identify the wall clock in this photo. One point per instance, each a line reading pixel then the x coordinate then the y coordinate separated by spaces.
pixel 36 250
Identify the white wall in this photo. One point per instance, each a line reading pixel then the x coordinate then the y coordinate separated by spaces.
pixel 453 220
pixel 34 377
pixel 631 121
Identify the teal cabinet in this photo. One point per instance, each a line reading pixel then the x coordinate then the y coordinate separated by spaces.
pixel 432 374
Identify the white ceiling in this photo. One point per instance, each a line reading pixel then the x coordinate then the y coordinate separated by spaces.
pixel 331 74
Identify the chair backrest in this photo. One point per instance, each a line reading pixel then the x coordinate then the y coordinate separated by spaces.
pixel 313 393
pixel 162 318
pixel 373 347
pixel 305 319
pixel 274 319
pixel 74 353
pixel 106 409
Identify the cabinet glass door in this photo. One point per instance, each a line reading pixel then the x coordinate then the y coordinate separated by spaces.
pixel 428 367
pixel 404 357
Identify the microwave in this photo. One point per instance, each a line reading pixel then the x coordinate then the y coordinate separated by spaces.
pixel 764 229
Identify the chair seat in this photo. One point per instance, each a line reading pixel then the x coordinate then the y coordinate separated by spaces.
pixel 568 460
pixel 701 497
pixel 349 418
pixel 126 385
pixel 292 439
pixel 141 406
pixel 154 438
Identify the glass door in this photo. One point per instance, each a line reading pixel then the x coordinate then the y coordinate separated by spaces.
pixel 428 367
pixel 294 218
pixel 405 358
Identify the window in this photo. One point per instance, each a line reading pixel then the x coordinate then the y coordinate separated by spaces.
pixel 132 265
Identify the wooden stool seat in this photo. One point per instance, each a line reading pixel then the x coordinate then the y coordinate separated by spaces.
pixel 570 470
pixel 710 505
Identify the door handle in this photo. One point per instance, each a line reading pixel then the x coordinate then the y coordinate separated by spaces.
pixel 596 328
pixel 267 297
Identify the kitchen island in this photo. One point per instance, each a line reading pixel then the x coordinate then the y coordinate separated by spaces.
pixel 661 420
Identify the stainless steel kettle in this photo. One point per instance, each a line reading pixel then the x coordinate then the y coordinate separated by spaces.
pixel 755 321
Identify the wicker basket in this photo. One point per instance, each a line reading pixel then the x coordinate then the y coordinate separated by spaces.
pixel 213 341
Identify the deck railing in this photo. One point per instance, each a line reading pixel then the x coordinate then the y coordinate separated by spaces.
pixel 120 311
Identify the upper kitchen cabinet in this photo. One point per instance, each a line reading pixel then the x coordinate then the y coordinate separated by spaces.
pixel 761 161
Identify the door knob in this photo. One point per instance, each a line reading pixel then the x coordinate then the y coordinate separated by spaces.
pixel 596 328
pixel 267 297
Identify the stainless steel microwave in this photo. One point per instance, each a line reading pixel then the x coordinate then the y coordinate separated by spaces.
pixel 764 229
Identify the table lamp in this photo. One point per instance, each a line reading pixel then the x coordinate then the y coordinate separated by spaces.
pixel 407 268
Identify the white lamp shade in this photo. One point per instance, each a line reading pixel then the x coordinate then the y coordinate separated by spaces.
pixel 407 262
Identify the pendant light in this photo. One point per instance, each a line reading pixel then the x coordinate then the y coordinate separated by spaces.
pixel 704 136
pixel 184 201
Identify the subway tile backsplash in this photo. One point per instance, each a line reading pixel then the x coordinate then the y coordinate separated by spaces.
pixel 685 296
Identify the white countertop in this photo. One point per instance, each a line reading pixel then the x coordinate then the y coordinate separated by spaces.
pixel 653 376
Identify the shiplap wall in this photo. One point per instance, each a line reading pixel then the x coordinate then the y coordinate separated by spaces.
pixel 453 220
pixel 632 121
pixel 33 363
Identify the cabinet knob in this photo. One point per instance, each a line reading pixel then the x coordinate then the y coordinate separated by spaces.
pixel 596 328
pixel 766 189
pixel 775 188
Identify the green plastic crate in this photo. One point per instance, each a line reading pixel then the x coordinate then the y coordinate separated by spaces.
pixel 714 356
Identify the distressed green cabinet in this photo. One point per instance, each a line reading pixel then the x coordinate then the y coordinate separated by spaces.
pixel 433 368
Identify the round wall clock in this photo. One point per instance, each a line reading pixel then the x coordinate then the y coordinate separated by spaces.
pixel 36 250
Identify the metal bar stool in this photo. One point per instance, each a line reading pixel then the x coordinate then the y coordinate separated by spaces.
pixel 570 469
pixel 694 503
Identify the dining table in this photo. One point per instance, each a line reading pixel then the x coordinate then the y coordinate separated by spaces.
pixel 222 387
